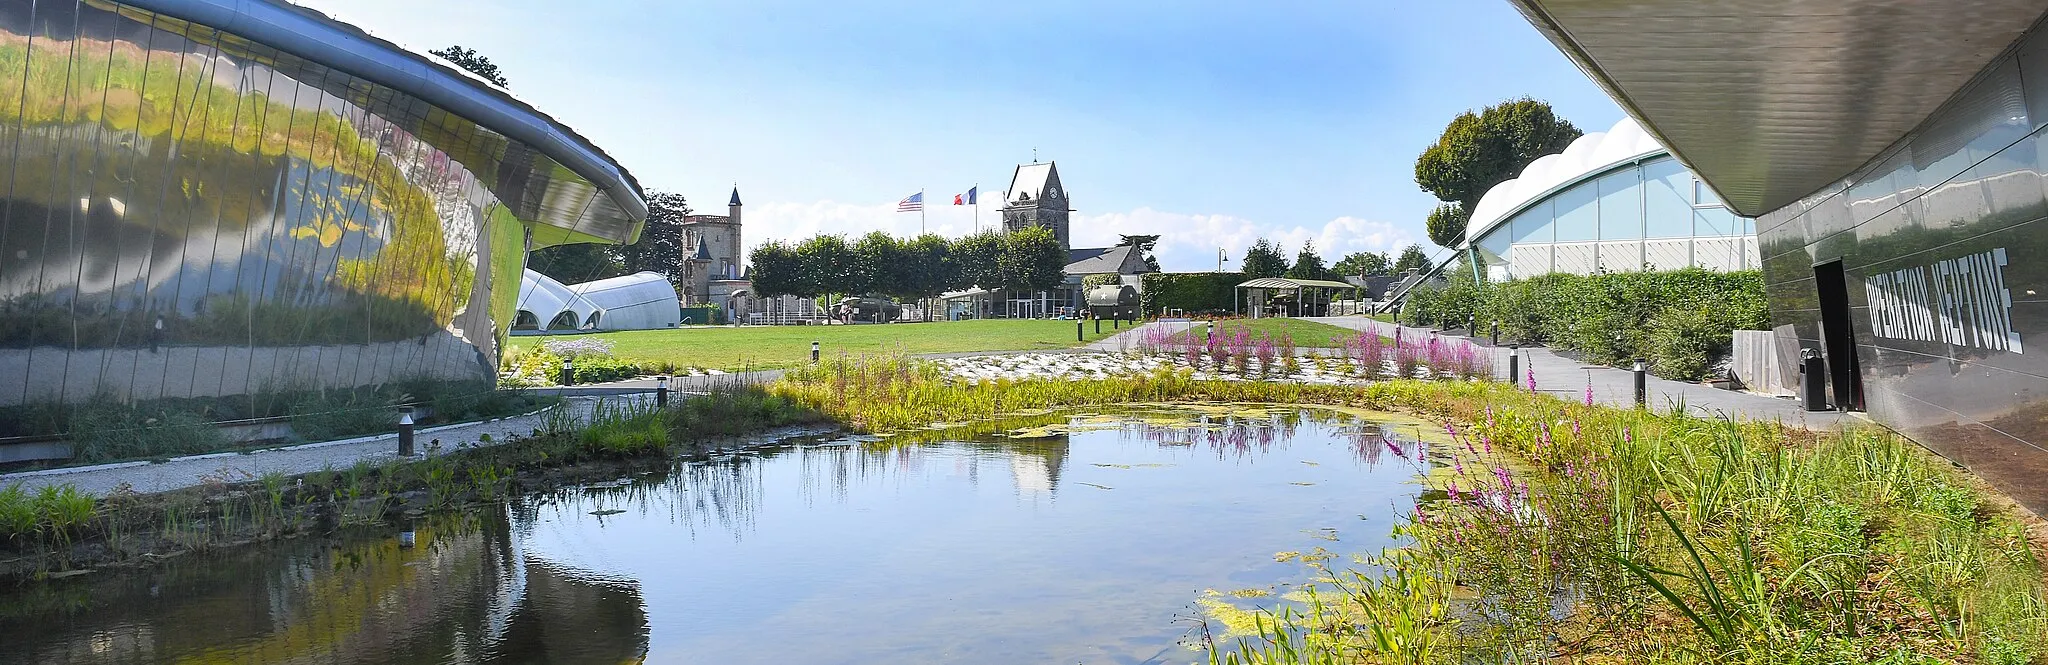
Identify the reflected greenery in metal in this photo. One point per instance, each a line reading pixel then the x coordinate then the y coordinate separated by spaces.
pixel 188 212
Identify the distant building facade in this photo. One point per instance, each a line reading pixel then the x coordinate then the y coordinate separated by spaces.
pixel 715 269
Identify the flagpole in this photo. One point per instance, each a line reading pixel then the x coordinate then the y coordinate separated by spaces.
pixel 977 207
pixel 920 213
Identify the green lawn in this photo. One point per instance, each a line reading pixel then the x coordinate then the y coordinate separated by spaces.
pixel 1307 334
pixel 762 347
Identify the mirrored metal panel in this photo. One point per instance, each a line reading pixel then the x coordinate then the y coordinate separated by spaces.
pixel 188 213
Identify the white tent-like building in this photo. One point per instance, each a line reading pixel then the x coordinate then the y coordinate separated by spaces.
pixel 638 301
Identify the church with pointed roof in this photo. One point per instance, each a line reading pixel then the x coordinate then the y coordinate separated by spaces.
pixel 1036 198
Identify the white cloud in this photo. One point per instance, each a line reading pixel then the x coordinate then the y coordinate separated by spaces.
pixel 1188 242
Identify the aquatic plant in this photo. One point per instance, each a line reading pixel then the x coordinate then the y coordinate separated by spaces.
pixel 1264 349
pixel 1372 354
pixel 1674 538
pixel 1219 352
pixel 1240 350
pixel 1410 357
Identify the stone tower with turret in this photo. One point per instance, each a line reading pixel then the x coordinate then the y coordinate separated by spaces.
pixel 714 245
pixel 1036 198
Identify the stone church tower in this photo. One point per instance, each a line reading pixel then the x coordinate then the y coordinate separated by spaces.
pixel 1036 198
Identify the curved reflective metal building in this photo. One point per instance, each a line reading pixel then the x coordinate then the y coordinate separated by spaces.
pixel 1895 156
pixel 218 197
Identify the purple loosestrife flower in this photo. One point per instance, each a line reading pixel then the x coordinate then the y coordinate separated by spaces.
pixel 1487 442
pixel 1396 447
pixel 1532 377
pixel 1589 388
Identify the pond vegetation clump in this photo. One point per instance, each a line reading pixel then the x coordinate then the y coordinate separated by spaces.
pixel 1583 532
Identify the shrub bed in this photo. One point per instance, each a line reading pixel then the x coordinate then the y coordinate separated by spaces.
pixel 1682 321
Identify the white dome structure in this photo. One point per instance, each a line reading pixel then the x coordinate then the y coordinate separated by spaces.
pixel 547 305
pixel 1612 201
pixel 639 301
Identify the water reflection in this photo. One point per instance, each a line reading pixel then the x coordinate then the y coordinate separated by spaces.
pixel 467 593
pixel 1065 539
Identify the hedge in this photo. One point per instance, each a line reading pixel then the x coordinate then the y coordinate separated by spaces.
pixel 1194 292
pixel 1680 320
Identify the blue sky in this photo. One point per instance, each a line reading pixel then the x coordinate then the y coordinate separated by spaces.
pixel 1208 123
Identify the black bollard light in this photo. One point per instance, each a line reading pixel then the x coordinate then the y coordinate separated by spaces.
pixel 1080 335
pixel 405 431
pixel 156 335
pixel 661 391
pixel 1642 373
pixel 1098 326
pixel 814 352
pixel 1813 388
pixel 1496 332
pixel 1514 363
pixel 407 538
pixel 568 372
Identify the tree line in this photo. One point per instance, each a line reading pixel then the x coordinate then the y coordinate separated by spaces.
pixel 1030 259
pixel 1266 258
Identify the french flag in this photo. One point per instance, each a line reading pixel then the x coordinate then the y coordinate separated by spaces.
pixel 965 199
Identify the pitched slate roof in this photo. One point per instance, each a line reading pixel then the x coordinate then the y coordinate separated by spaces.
pixel 1098 260
pixel 735 197
pixel 1031 179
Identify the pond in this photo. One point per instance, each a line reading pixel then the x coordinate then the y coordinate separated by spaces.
pixel 1067 538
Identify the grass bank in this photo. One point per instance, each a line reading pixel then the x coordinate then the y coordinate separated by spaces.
pixel 774 347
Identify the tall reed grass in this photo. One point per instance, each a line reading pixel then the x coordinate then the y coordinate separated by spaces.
pixel 1575 532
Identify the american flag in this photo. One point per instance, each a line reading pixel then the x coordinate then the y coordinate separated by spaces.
pixel 912 203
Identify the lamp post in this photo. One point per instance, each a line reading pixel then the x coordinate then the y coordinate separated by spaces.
pixel 661 391
pixel 1642 372
pixel 405 432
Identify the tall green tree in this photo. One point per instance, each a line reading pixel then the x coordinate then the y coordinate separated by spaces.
pixel 1362 264
pixel 829 266
pixel 1446 225
pixel 661 247
pixel 879 256
pixel 577 263
pixel 1412 256
pixel 980 260
pixel 930 267
pixel 476 64
pixel 776 270
pixel 1308 264
pixel 1033 260
pixel 1479 150
pixel 1264 259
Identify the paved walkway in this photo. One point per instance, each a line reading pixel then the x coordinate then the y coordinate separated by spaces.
pixel 1568 378
pixel 182 472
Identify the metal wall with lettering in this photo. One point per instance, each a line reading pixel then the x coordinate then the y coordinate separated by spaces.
pixel 1943 242
pixel 186 212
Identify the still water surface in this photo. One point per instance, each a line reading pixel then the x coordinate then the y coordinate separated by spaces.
pixel 1079 539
